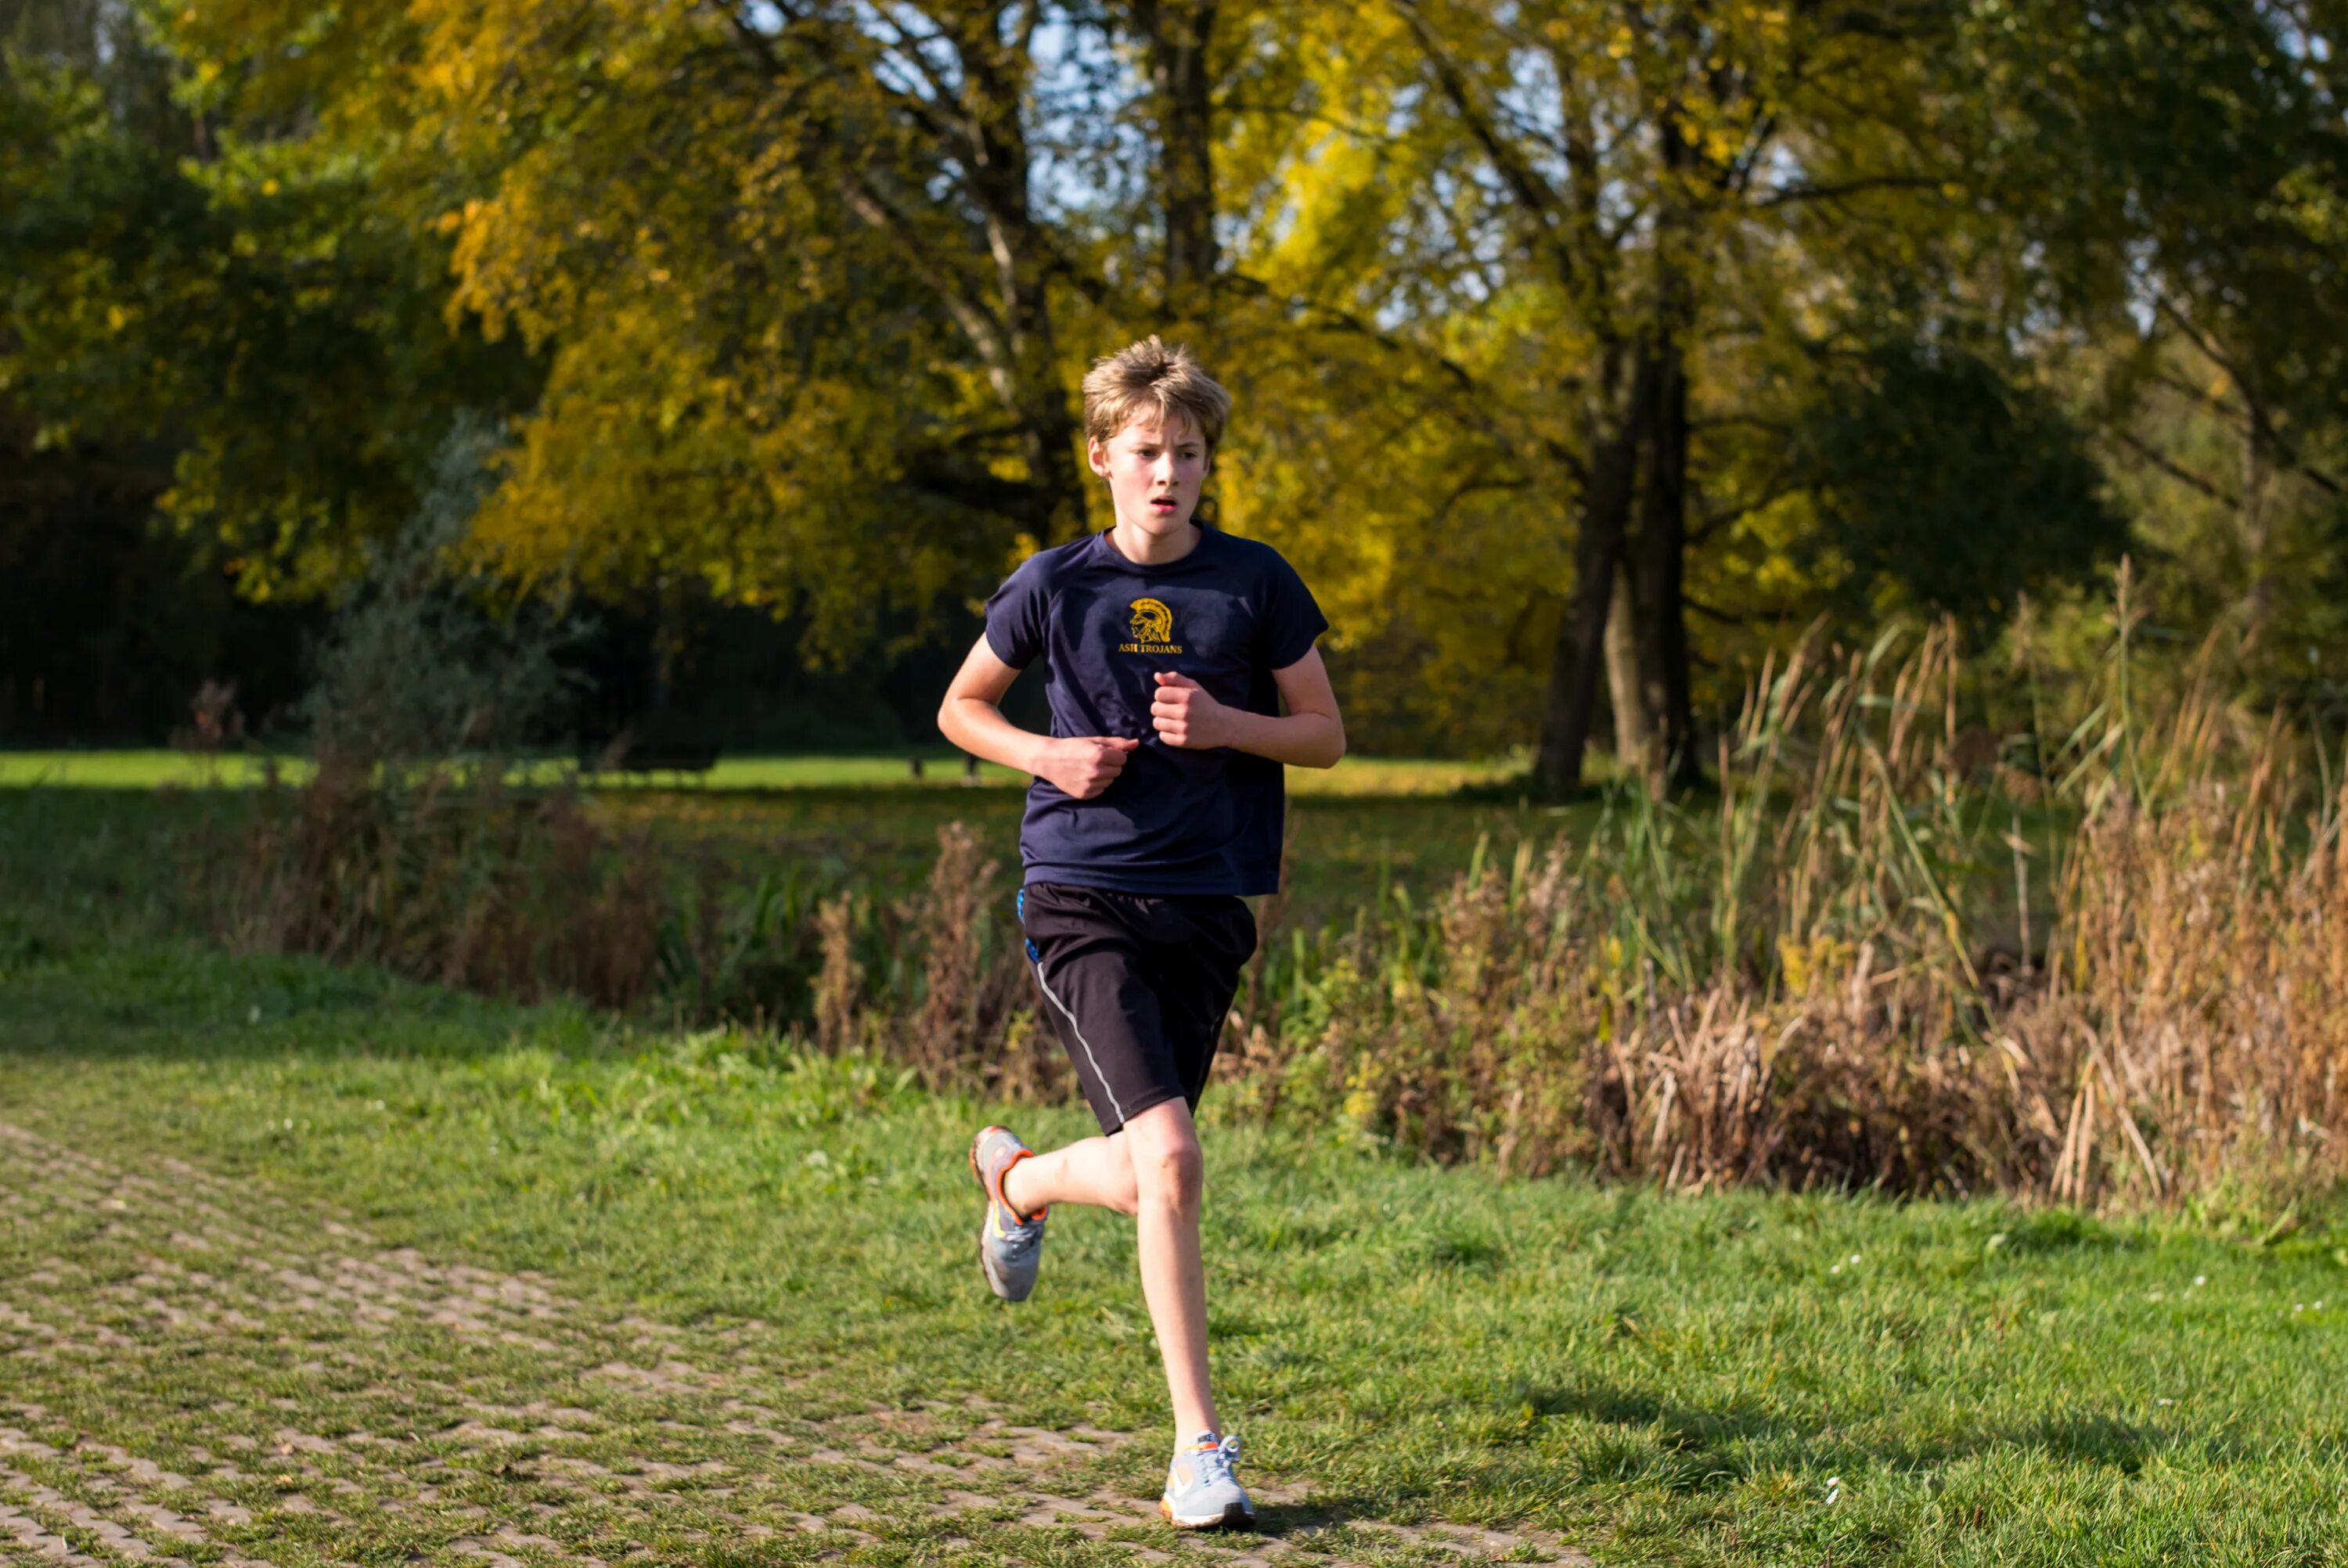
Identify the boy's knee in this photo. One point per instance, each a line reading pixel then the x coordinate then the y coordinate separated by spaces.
pixel 1167 1162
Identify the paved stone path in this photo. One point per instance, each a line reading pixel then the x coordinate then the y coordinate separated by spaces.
pixel 192 1372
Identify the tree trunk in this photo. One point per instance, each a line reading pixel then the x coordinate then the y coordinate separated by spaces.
pixel 1047 440
pixel 1177 33
pixel 1659 570
pixel 1027 379
pixel 2254 522
pixel 1618 423
pixel 1660 557
pixel 1626 690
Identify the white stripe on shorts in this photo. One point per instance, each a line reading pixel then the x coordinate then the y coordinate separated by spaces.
pixel 1076 1030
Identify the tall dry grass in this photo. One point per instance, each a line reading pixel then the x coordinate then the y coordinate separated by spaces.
pixel 1831 981
pixel 441 873
pixel 937 980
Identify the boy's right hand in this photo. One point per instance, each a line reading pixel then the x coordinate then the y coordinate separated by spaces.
pixel 1081 766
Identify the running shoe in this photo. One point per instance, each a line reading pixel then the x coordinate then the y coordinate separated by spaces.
pixel 1201 1492
pixel 1009 1244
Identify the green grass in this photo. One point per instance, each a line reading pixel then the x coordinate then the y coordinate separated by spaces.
pixel 1662 1381
pixel 152 768
pixel 156 768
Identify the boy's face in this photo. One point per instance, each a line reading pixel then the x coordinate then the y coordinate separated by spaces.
pixel 1154 475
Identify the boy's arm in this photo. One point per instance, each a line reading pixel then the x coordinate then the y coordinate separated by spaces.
pixel 971 718
pixel 1309 735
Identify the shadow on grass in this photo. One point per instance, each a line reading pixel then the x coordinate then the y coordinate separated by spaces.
pixel 1335 1528
pixel 1366 1511
pixel 1693 1448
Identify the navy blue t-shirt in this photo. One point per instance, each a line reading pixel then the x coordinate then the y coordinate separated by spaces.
pixel 1174 821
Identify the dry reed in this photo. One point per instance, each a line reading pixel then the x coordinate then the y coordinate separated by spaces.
pixel 1828 992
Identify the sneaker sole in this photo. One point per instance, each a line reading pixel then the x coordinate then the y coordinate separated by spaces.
pixel 1232 1518
pixel 986 1258
pixel 986 1267
pixel 993 1280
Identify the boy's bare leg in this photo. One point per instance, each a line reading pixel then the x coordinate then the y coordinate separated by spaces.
pixel 1152 1169
pixel 1093 1171
pixel 1169 1174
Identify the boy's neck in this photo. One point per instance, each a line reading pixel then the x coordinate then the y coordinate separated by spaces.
pixel 1142 548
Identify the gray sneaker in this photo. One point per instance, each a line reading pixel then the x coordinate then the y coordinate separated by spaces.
pixel 1200 1493
pixel 1009 1244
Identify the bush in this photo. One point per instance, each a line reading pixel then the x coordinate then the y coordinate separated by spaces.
pixel 417 668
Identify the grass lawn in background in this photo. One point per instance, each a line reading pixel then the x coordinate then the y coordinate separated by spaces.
pixel 942 767
pixel 75 820
pixel 439 1277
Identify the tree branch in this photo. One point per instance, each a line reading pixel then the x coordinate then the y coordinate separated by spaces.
pixel 2175 471
pixel 1531 192
pixel 986 331
pixel 2251 403
pixel 817 31
pixel 1346 322
pixel 1714 522
pixel 1840 189
pixel 1467 487
pixel 1709 613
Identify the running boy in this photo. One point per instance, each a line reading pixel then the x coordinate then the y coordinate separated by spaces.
pixel 1169 649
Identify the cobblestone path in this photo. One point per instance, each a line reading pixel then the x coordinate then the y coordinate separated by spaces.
pixel 194 1372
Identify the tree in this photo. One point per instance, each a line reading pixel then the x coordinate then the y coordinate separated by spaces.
pixel 789 267
pixel 1552 327
pixel 2185 170
pixel 258 324
pixel 1605 176
pixel 1947 487
pixel 1176 37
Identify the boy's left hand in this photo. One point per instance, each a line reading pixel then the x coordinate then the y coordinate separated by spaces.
pixel 1186 716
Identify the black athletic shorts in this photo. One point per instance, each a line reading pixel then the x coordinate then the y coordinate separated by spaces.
pixel 1135 987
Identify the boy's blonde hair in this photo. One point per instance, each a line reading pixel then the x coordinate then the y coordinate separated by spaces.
pixel 1151 376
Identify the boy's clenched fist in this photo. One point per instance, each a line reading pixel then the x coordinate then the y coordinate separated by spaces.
pixel 1186 716
pixel 1081 766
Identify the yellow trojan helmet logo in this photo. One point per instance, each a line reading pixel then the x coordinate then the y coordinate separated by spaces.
pixel 1152 622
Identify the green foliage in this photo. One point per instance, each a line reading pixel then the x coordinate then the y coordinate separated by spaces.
pixel 260 316
pixel 784 307
pixel 1886 955
pixel 2182 170
pixel 1945 487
